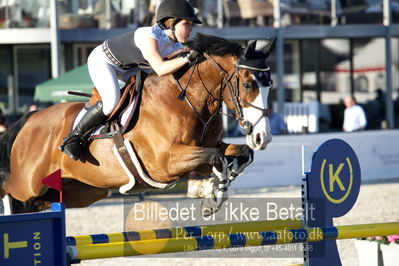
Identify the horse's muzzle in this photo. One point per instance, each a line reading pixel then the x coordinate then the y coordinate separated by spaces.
pixel 258 140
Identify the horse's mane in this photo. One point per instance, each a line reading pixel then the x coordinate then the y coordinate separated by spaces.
pixel 214 45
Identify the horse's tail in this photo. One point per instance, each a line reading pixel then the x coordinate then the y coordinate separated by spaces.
pixel 6 141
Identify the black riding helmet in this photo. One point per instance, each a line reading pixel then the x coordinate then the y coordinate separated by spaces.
pixel 175 9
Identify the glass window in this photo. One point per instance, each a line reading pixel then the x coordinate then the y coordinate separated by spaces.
pixel 4 72
pixel 81 52
pixel 362 84
pixel 94 13
pixel 33 67
pixel 24 13
pixel 319 59
pixel 369 67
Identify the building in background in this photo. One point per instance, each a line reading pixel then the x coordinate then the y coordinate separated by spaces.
pixel 317 56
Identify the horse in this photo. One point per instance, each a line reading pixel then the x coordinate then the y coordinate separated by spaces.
pixel 171 137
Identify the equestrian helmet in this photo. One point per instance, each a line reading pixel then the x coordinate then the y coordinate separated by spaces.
pixel 176 9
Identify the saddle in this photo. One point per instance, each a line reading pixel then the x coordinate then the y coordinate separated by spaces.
pixel 129 95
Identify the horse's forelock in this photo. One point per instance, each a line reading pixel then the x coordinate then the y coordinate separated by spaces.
pixel 214 45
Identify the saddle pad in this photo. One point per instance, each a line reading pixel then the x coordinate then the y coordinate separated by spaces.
pixel 124 119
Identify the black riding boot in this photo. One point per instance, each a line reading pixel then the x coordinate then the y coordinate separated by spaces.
pixel 73 144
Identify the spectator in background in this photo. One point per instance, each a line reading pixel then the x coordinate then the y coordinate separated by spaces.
pixel 3 127
pixel 375 111
pixel 354 116
pixel 381 101
pixel 277 125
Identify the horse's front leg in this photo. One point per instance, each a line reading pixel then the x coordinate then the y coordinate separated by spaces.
pixel 238 157
pixel 186 159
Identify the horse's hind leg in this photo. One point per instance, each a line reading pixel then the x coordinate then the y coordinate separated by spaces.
pixel 9 205
pixel 75 195
pixel 5 205
pixel 14 206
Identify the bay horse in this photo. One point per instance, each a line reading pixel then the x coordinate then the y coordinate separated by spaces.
pixel 171 138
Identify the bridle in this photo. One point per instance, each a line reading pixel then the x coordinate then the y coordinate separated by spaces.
pixel 232 86
pixel 245 124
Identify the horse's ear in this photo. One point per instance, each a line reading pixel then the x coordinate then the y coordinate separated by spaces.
pixel 269 48
pixel 249 50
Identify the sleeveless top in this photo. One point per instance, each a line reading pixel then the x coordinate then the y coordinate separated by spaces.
pixel 124 50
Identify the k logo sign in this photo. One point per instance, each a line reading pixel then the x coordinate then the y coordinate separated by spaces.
pixel 335 177
pixel 332 188
pixel 339 181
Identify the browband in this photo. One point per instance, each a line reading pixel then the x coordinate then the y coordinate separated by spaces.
pixel 253 68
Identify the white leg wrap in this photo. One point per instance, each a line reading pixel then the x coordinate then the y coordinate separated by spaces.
pixel 236 168
pixel 6 205
pixel 223 176
pixel 212 203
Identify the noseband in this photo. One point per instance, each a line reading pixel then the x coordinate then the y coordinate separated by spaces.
pixel 234 97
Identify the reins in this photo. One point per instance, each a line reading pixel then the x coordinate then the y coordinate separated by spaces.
pixel 182 96
pixel 226 81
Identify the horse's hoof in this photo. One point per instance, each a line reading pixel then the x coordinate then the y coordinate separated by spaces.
pixel 208 207
pixel 206 212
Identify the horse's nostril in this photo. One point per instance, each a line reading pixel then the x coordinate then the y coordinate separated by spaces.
pixel 258 139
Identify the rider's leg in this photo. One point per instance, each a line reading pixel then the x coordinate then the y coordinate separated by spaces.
pixel 104 77
pixel 73 144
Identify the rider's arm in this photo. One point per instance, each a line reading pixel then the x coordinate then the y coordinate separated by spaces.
pixel 149 49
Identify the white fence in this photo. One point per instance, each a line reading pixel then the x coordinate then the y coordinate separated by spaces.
pixel 301 117
pixel 281 165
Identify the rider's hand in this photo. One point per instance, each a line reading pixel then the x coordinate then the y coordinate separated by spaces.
pixel 192 56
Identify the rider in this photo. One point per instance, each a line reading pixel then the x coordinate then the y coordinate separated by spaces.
pixel 118 58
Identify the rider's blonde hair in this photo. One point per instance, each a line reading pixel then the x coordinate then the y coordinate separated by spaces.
pixel 171 22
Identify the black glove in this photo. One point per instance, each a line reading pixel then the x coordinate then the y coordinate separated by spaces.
pixel 192 56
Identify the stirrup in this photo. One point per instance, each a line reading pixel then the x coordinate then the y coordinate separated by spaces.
pixel 72 146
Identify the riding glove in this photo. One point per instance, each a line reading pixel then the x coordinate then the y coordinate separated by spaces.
pixel 192 56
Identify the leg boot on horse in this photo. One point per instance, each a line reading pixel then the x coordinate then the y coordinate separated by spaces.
pixel 73 144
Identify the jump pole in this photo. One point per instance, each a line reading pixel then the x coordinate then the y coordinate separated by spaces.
pixel 186 231
pixel 224 241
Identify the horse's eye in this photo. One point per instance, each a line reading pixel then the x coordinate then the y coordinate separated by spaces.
pixel 247 85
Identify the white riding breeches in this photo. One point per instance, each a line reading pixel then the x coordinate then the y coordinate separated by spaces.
pixel 105 75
